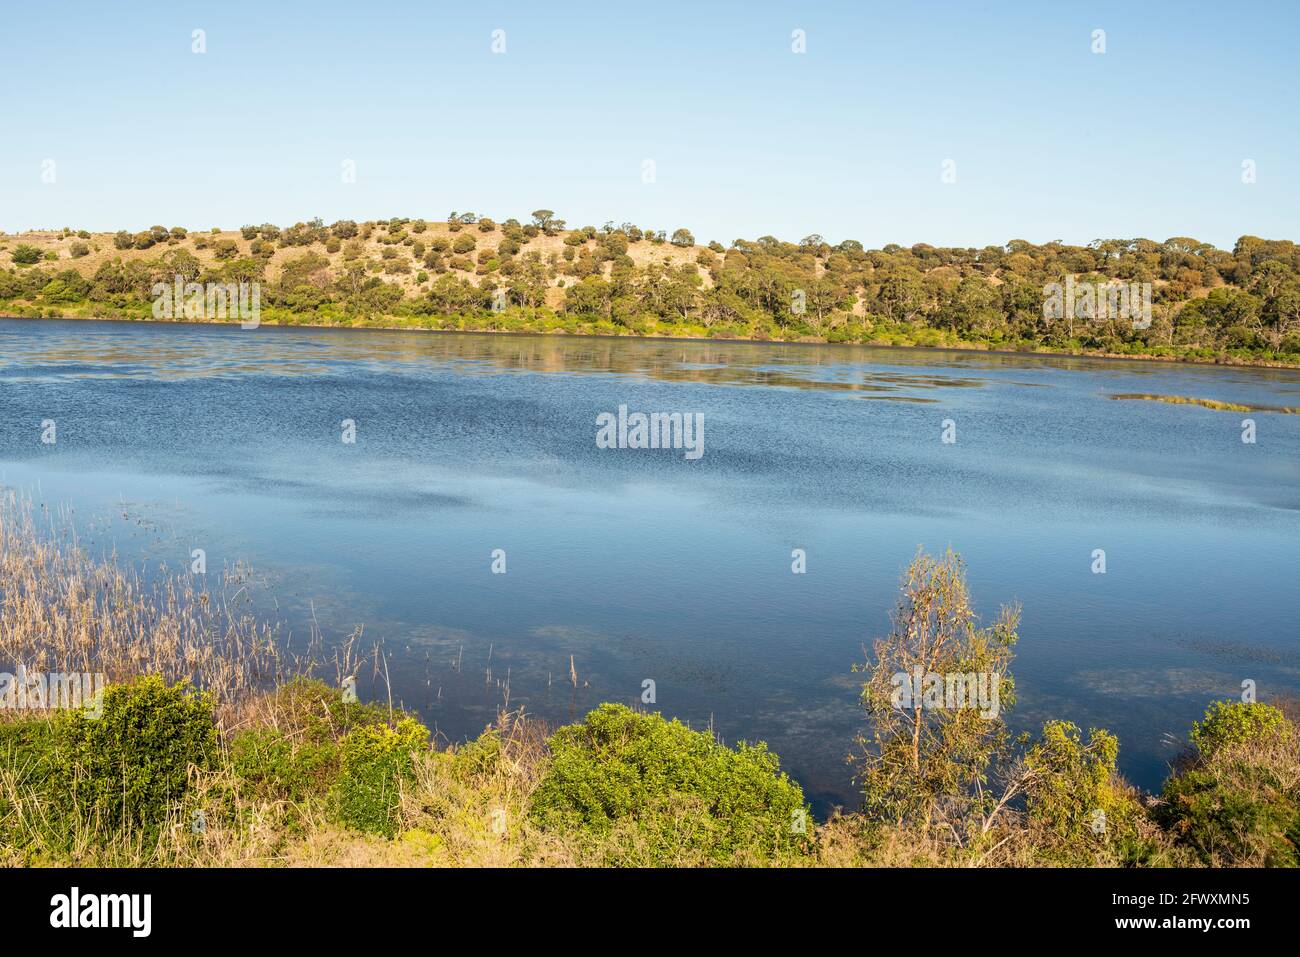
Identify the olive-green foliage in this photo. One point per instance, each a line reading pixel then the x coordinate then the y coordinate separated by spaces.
pixel 24 749
pixel 299 756
pixel 1236 801
pixel 24 758
pixel 919 753
pixel 1236 722
pixel 374 761
pixel 130 765
pixel 25 255
pixel 678 788
pixel 1075 800
pixel 298 760
pixel 315 712
pixel 479 757
pixel 272 765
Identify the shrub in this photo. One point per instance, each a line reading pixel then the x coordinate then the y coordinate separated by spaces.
pixel 129 765
pixel 463 243
pixel 1076 803
pixel 275 766
pixel 1235 723
pixel 1236 800
pixel 374 761
pixel 479 757
pixel 25 769
pixel 677 789
pixel 56 290
pixel 24 749
pixel 78 249
pixel 310 710
pixel 25 255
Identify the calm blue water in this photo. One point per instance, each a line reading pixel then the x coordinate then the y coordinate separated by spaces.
pixel 641 564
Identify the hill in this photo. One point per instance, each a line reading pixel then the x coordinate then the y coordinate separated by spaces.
pixel 1188 299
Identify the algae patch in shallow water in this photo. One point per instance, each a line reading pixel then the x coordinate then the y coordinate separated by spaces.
pixel 1207 403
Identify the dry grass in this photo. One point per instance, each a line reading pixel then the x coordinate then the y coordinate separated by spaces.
pixel 103 251
pixel 61 610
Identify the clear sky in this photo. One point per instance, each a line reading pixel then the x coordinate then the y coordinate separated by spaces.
pixel 848 139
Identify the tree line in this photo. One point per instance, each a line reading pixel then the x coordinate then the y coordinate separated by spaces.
pixel 1205 301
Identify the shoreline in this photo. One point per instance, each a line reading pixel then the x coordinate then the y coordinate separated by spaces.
pixel 974 348
pixel 283 767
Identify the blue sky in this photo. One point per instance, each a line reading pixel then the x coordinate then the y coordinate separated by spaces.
pixel 1050 141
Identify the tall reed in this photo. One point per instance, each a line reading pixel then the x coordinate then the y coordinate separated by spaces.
pixel 64 610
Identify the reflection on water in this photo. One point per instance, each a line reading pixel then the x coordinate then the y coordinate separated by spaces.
pixel 639 564
pixel 198 349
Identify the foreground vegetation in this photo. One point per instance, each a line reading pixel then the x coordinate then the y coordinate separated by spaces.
pixel 191 763
pixel 473 273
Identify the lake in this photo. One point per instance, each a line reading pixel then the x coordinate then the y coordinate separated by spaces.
pixel 644 564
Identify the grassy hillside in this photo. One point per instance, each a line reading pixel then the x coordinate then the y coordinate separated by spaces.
pixel 213 250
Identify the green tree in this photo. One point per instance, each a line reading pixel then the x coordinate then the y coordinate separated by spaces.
pixel 931 737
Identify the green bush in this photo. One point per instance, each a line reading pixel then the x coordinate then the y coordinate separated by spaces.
pixel 1075 801
pixel 375 759
pixel 677 788
pixel 479 757
pixel 25 750
pixel 1236 800
pixel 317 713
pixel 1236 817
pixel 30 824
pixel 272 765
pixel 25 255
pixel 128 766
pixel 1235 723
